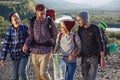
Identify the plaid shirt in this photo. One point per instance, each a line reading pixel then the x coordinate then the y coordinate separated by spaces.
pixel 40 34
pixel 14 40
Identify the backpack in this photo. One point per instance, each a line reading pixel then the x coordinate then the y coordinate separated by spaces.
pixel 60 36
pixel 48 25
pixel 51 13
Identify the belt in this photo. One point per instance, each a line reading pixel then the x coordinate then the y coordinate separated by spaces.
pixel 90 56
pixel 46 44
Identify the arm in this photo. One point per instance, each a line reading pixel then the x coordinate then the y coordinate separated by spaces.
pixel 56 47
pixel 6 47
pixel 99 38
pixel 54 28
pixel 101 44
pixel 57 44
pixel 30 38
pixel 77 49
pixel 77 46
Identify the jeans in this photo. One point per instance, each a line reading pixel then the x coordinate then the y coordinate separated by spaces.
pixel 89 68
pixel 70 70
pixel 19 67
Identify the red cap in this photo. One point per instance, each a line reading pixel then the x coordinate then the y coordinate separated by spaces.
pixel 69 24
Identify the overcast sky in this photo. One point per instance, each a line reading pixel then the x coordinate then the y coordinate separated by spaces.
pixel 90 2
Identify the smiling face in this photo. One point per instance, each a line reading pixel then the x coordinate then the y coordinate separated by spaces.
pixel 63 28
pixel 15 20
pixel 41 14
pixel 80 21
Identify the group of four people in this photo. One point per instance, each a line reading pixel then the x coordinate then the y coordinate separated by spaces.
pixel 19 39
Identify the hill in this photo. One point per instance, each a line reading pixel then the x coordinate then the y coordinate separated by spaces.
pixel 113 5
pixel 63 5
pixel 25 8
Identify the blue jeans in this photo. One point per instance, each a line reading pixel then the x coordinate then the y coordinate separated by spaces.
pixel 19 67
pixel 89 68
pixel 70 70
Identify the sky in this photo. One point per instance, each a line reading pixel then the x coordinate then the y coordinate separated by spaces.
pixel 90 2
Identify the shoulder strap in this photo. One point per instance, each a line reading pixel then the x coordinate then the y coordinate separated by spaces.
pixel 74 40
pixel 32 21
pixel 60 36
pixel 49 19
pixel 101 35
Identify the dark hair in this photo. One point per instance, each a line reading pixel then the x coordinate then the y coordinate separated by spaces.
pixel 11 16
pixel 40 7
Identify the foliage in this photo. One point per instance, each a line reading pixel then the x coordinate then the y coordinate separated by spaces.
pixel 111 18
pixel 25 9
pixel 1 19
pixel 113 37
pixel 3 27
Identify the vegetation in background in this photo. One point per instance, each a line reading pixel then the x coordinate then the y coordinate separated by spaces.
pixel 25 8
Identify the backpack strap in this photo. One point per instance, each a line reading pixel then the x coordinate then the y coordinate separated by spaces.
pixel 48 25
pixel 32 20
pixel 74 40
pixel 60 36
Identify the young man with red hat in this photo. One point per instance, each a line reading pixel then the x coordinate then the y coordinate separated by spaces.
pixel 69 48
pixel 92 46
pixel 39 41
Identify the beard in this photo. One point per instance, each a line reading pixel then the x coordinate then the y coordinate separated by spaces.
pixel 82 25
